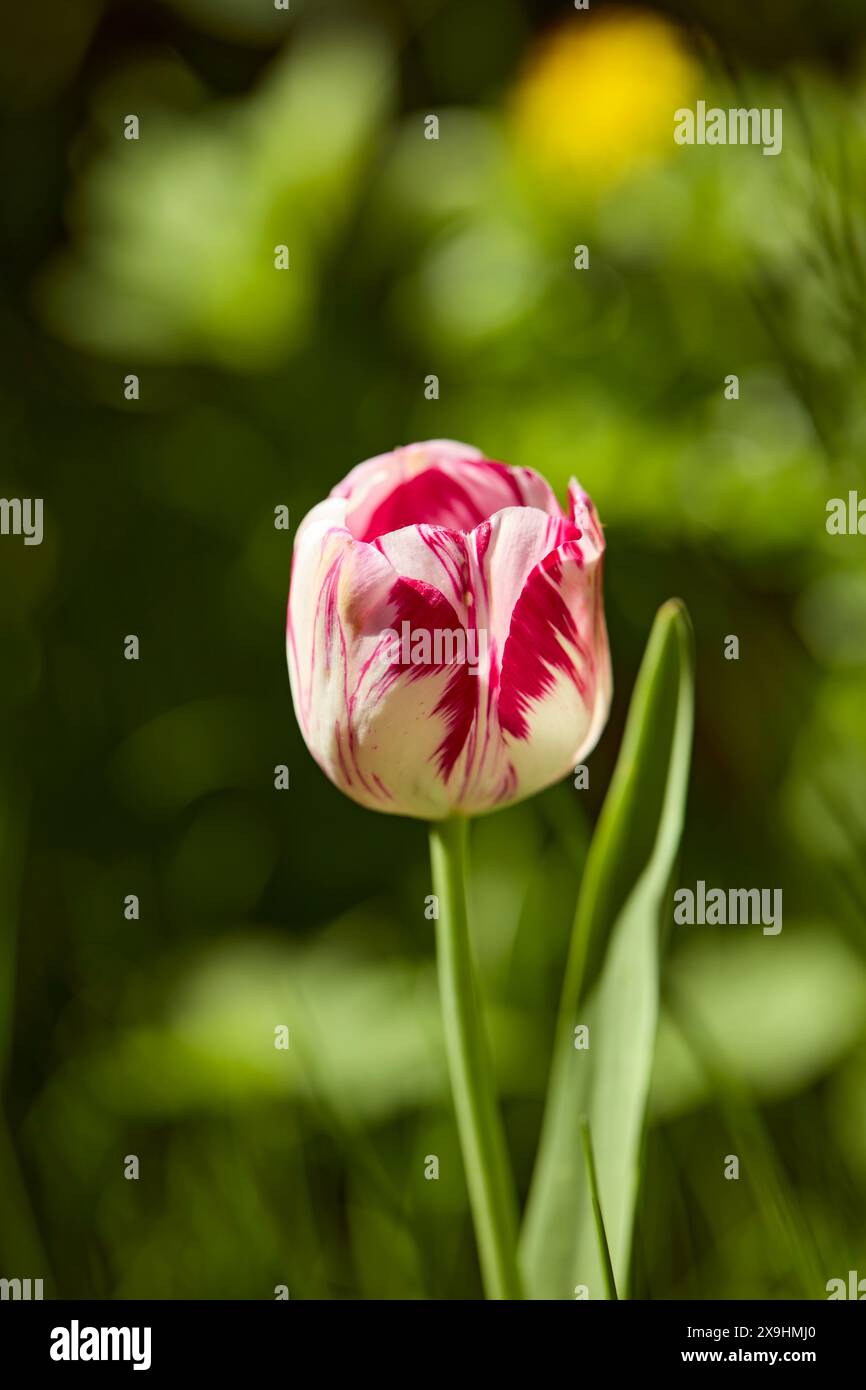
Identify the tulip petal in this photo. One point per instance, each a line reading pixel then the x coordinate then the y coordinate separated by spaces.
pixel 430 616
pixel 543 641
pixel 389 730
pixel 431 554
pixel 581 510
pixel 555 681
pixel 441 483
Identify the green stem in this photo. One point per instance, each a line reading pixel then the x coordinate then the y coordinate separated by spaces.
pixel 482 1141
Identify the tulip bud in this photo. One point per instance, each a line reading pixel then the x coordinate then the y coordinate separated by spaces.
pixel 446 639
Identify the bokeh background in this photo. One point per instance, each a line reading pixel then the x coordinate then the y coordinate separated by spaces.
pixel 261 388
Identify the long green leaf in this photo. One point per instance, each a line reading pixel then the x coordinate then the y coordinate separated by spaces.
pixel 612 986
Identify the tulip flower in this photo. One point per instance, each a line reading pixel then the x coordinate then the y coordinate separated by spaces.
pixel 447 655
pixel 446 638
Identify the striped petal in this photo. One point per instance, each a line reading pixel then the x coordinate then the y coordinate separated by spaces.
pixel 555 684
pixel 387 729
pixel 440 483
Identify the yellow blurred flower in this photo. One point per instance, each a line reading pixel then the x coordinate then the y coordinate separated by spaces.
pixel 598 97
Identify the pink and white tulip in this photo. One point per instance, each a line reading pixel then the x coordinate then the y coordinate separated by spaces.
pixel 515 688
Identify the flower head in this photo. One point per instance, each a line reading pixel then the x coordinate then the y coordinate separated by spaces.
pixel 598 97
pixel 446 639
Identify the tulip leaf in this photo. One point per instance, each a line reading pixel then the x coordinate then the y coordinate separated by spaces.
pixel 612 987
pixel 598 1217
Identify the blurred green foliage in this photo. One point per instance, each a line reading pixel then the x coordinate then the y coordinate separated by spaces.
pixel 260 388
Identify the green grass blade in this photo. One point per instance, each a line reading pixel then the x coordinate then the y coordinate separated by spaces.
pixel 612 984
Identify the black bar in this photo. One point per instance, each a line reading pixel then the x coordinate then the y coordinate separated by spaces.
pixel 280 1337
